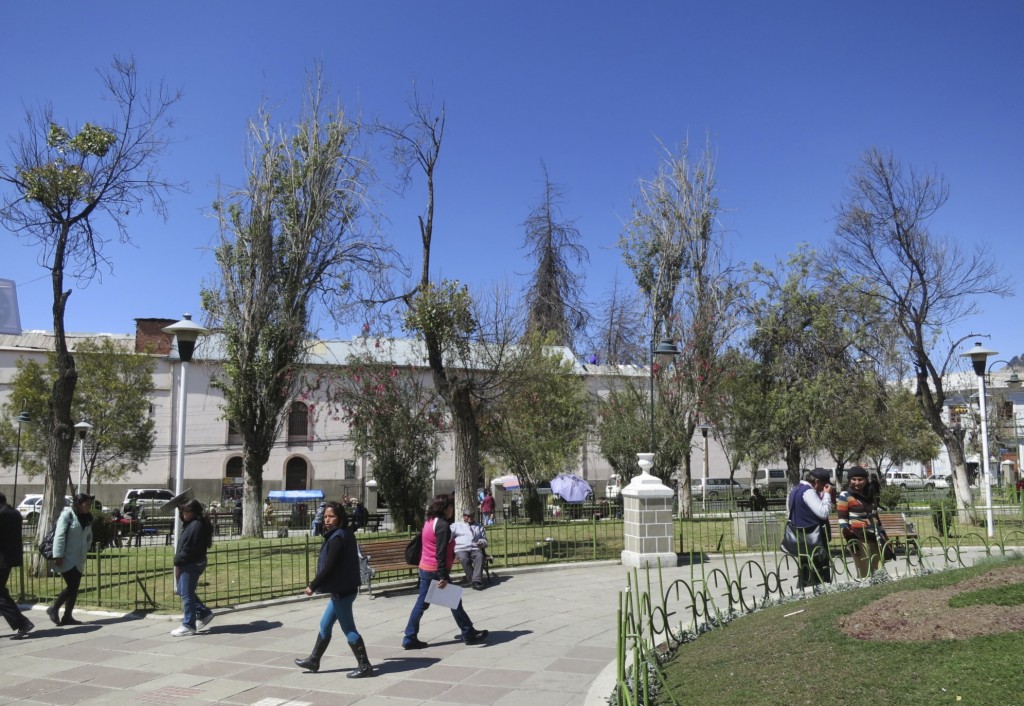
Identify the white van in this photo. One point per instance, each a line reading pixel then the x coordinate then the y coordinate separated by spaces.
pixel 771 481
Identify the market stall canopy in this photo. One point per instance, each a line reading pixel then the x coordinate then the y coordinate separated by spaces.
pixel 571 488
pixel 295 496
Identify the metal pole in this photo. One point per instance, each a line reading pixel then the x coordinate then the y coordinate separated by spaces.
pixel 81 461
pixel 654 448
pixel 17 460
pixel 704 495
pixel 179 466
pixel 989 520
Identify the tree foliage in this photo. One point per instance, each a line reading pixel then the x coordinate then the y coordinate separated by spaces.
pixel 926 284
pixel 67 189
pixel 537 426
pixel 289 239
pixel 113 395
pixel 397 422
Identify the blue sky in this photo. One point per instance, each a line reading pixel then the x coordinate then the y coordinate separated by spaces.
pixel 790 93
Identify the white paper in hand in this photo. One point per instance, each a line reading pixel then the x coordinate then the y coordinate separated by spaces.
pixel 449 596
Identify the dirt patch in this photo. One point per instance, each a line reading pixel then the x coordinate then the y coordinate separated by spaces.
pixel 925 615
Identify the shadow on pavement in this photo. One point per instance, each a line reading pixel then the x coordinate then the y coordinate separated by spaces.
pixel 242 628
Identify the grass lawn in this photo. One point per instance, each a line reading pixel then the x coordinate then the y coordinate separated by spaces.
pixel 767 658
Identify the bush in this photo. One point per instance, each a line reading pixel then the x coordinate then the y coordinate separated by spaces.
pixel 890 497
pixel 103 529
pixel 944 514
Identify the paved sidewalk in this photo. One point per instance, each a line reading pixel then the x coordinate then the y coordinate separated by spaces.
pixel 551 633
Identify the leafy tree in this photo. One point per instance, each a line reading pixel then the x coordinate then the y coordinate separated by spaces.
pixel 113 395
pixel 903 433
pixel 623 427
pixel 289 239
pixel 538 424
pixel 927 284
pixel 65 186
pixel 554 297
pixel 396 421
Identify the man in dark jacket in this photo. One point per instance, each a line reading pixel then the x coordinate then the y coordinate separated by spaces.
pixel 11 556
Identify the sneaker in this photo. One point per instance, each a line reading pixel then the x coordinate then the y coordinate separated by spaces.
pixel 203 622
pixel 23 631
pixel 51 612
pixel 183 631
pixel 413 643
pixel 476 637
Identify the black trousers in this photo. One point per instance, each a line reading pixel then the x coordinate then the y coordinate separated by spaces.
pixel 8 608
pixel 67 597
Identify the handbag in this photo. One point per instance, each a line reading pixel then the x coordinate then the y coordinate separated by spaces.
pixel 800 541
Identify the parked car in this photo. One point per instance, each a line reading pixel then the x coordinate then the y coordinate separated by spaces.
pixel 29 506
pixel 909 481
pixel 148 501
pixel 718 488
pixel 771 481
pixel 940 480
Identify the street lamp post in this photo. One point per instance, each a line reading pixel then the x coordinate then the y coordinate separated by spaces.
pixel 662 353
pixel 22 418
pixel 978 356
pixel 704 494
pixel 187 333
pixel 82 428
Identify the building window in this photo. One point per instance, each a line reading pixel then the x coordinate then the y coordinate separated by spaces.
pixel 350 469
pixel 296 474
pixel 234 436
pixel 1006 410
pixel 298 422
pixel 234 467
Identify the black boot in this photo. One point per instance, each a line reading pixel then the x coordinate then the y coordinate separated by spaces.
pixel 365 669
pixel 312 663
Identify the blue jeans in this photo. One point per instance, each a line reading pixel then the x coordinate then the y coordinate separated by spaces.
pixel 340 608
pixel 191 606
pixel 412 628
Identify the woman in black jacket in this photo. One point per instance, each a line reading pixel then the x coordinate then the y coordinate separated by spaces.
pixel 338 574
pixel 189 564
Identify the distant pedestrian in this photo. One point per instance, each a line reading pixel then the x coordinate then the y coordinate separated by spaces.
pixel 1020 489
pixel 318 521
pixel 360 516
pixel 189 564
pixel 10 557
pixel 436 560
pixel 337 573
pixel 487 508
pixel 72 538
pixel 470 548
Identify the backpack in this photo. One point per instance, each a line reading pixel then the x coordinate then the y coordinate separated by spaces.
pixel 46 546
pixel 414 550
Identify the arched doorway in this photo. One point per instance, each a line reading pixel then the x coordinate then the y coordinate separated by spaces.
pixel 296 474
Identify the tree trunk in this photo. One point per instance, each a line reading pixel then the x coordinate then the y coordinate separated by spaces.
pixel 59 426
pixel 685 494
pixel 961 483
pixel 467 447
pixel 252 496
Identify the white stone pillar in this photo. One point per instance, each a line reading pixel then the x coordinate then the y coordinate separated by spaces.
pixel 371 497
pixel 647 519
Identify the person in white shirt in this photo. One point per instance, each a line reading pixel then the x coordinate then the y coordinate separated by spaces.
pixel 470 541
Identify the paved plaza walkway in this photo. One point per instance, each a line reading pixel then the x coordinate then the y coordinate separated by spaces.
pixel 552 643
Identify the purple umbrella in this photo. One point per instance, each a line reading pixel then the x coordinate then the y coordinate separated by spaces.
pixel 571 488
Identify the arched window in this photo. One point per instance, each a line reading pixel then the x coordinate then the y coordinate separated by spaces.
pixel 296 474
pixel 234 467
pixel 298 422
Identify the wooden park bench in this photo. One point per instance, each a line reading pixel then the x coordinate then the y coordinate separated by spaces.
pixel 902 534
pixel 389 555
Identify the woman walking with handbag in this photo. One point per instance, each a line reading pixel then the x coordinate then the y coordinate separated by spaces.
pixel 810 503
pixel 71 541
pixel 338 574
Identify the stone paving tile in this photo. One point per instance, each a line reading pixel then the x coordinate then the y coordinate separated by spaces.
pixel 31 688
pixel 499 677
pixel 447 673
pixel 106 675
pixel 476 694
pixel 558 681
pixel 538 698
pixel 577 666
pixel 415 689
pixel 79 693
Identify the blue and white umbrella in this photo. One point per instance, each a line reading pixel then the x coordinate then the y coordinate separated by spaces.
pixel 571 488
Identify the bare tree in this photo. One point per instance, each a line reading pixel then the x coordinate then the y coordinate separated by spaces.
pixel 554 297
pixel 677 254
pixel 289 240
pixel 67 189
pixel 928 284
pixel 617 336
